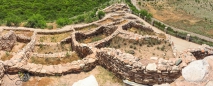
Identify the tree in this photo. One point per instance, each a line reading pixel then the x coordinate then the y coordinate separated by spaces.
pixel 101 14
pixel 36 21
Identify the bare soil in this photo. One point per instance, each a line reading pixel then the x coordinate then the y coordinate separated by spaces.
pixel 103 77
pixel 106 21
pixel 143 49
pixel 141 32
pixel 93 38
pixel 56 60
pixel 53 48
pixel 88 28
pixel 52 38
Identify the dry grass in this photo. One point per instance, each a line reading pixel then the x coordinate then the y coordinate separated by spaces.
pixel 141 32
pixel 54 61
pixel 52 49
pixel 52 38
pixel 106 21
pixel 143 48
pixel 6 56
pixel 105 77
pixel 93 38
pixel 18 46
pixel 88 28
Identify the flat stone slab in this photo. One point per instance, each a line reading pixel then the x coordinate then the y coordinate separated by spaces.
pixel 89 81
pixel 195 71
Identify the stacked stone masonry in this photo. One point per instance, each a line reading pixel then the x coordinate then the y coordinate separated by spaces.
pixel 124 65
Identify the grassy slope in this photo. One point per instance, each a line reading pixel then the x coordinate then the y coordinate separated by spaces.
pixel 184 14
pixel 49 9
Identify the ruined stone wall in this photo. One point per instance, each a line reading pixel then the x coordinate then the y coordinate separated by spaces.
pixel 82 49
pixel 85 64
pixel 129 67
pixel 1 73
pixel 7 41
pixel 202 52
pixel 22 38
pixel 139 26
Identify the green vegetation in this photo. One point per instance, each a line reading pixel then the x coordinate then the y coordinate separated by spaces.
pixel 142 12
pixel 36 21
pixel 101 14
pixel 15 11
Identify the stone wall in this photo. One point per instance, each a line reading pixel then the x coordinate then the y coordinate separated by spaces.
pixel 7 41
pixel 126 66
pixel 139 26
pixel 22 38
pixel 1 73
pixel 85 64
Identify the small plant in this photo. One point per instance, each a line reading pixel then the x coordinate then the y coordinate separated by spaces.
pixel 67 54
pixel 7 54
pixel 41 46
pixel 134 47
pixel 163 48
pixel 124 43
pixel 153 53
pixel 130 46
pixel 53 39
pixel 158 48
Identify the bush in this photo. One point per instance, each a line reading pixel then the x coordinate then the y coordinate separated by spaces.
pixel 13 20
pixel 62 21
pixel 36 21
pixel 101 14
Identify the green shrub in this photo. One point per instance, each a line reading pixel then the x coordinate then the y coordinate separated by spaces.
pixel 101 14
pixel 13 20
pixel 36 21
pixel 62 21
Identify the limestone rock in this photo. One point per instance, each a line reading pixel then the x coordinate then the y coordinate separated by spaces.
pixel 89 81
pixel 152 67
pixel 195 71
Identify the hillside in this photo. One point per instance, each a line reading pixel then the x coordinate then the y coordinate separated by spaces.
pixel 190 15
pixel 17 11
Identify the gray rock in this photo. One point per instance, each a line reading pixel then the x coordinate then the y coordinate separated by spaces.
pixel 195 71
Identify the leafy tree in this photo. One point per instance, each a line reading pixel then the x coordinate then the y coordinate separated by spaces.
pixel 36 21
pixel 101 14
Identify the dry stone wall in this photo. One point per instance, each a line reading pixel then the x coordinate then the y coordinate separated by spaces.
pixel 7 41
pixel 126 66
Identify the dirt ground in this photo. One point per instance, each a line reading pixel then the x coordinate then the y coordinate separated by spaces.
pixel 103 77
pixel 52 38
pixel 53 48
pixel 144 49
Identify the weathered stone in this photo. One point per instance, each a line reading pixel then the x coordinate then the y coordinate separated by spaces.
pixel 151 67
pixel 195 71
pixel 89 81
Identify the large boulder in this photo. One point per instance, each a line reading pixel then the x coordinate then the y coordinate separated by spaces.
pixel 89 81
pixel 195 71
